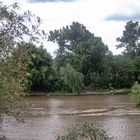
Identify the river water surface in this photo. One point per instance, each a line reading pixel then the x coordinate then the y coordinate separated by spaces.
pixel 47 117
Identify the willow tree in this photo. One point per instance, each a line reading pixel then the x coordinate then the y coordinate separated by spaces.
pixel 72 78
pixel 15 27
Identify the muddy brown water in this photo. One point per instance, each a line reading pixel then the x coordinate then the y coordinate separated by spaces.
pixel 47 117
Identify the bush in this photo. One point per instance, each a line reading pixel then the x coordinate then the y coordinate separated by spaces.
pixel 135 93
pixel 88 131
pixel 100 82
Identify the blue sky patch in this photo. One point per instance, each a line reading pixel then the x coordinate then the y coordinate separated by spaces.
pixel 119 17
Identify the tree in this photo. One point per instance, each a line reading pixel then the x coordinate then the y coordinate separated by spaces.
pixel 137 68
pixel 94 65
pixel 72 78
pixel 130 39
pixel 131 42
pixel 72 40
pixel 15 26
pixel 80 48
pixel 122 70
pixel 40 68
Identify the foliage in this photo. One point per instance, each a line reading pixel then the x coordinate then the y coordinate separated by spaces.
pixel 72 78
pixel 40 68
pixel 82 59
pixel 89 131
pixel 80 48
pixel 91 57
pixel 73 42
pixel 12 84
pixel 137 68
pixel 135 92
pixel 15 26
pixel 122 70
pixel 130 39
pixel 100 82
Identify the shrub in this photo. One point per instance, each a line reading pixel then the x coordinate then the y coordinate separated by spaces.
pixel 88 131
pixel 135 93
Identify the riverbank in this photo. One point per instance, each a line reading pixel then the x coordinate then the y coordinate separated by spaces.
pixel 83 93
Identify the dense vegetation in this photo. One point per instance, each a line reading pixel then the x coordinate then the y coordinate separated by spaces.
pixel 135 93
pixel 15 27
pixel 82 60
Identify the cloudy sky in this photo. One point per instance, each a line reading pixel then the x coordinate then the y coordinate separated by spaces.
pixel 104 18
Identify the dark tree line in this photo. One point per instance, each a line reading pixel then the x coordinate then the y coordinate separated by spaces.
pixel 83 61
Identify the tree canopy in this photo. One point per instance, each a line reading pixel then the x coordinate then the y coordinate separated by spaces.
pixel 130 40
pixel 80 48
pixel 40 68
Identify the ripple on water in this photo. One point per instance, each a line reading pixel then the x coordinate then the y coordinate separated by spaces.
pixel 51 116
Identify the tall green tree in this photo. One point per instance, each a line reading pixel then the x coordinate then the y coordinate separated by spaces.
pixel 72 40
pixel 130 39
pixel 80 48
pixel 40 68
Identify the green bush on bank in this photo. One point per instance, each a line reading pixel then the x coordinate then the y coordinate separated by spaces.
pixel 88 131
pixel 135 93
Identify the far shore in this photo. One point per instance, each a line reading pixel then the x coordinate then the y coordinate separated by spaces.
pixel 83 93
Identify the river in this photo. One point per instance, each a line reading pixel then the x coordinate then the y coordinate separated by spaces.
pixel 49 116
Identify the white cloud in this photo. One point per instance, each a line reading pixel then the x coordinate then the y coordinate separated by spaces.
pixel 91 13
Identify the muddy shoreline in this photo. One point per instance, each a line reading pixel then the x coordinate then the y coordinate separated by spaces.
pixel 83 93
